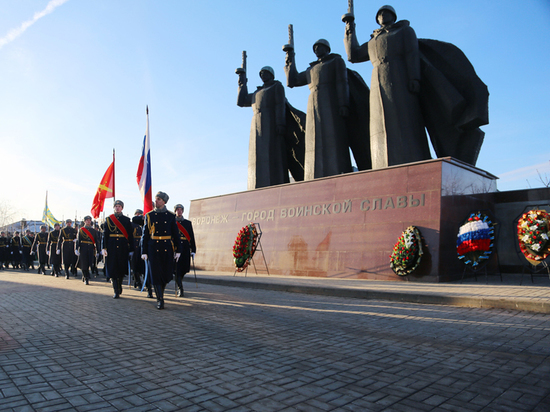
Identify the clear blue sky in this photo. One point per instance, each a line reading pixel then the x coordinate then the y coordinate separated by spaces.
pixel 76 76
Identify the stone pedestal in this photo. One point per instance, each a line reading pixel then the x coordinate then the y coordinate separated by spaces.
pixel 346 226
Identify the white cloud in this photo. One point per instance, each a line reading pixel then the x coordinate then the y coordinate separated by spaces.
pixel 15 33
pixel 525 172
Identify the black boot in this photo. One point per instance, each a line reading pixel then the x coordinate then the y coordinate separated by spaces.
pixel 119 283
pixel 159 291
pixel 114 282
pixel 180 286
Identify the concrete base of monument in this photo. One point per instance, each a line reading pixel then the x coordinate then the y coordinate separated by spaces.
pixel 346 226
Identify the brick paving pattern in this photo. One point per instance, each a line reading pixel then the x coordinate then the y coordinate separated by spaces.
pixel 65 346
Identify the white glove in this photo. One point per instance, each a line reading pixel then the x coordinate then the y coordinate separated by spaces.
pixel 177 256
pixel 21 251
pixel 77 253
pixel 192 254
pixel 144 257
pixel 57 252
pixel 48 252
pixel 74 241
pixel 104 252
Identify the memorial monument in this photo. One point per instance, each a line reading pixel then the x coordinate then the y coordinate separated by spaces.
pixel 341 224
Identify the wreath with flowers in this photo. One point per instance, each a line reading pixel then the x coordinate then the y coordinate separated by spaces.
pixel 475 239
pixel 407 252
pixel 245 246
pixel 533 234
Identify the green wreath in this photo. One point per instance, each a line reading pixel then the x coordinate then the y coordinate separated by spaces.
pixel 407 252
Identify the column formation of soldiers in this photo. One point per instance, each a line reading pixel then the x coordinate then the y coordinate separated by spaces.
pixel 152 247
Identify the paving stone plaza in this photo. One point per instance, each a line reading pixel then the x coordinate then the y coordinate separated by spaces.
pixel 65 346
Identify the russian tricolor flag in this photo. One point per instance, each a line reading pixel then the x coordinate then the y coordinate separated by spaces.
pixel 144 171
pixel 473 236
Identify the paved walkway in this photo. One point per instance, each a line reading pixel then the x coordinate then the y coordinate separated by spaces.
pixel 65 346
pixel 484 293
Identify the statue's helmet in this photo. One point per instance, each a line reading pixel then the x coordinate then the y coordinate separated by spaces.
pixel 388 8
pixel 322 41
pixel 268 69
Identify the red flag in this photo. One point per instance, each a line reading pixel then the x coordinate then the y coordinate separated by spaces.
pixel 106 189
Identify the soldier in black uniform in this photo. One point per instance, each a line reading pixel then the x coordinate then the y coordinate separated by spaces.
pixel 160 235
pixel 39 246
pixel 138 266
pixel 98 256
pixel 4 248
pixel 188 247
pixel 118 246
pixel 87 244
pixel 51 247
pixel 65 244
pixel 15 248
pixel 26 249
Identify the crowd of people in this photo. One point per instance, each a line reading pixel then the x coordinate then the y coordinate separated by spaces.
pixel 152 248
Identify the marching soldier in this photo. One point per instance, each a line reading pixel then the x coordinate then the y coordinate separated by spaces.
pixel 138 265
pixel 4 249
pixel 51 247
pixel 40 246
pixel 16 250
pixel 188 247
pixel 87 242
pixel 26 249
pixel 65 247
pixel 118 246
pixel 98 256
pixel 160 235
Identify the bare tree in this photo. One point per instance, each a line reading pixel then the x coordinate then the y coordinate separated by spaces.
pixel 7 213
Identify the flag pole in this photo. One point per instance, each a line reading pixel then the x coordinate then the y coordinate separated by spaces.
pixel 114 196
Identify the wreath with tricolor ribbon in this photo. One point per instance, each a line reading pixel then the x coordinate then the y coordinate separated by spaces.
pixel 475 239
pixel 407 252
pixel 533 234
pixel 245 246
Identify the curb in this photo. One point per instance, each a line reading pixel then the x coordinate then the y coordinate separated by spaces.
pixel 431 299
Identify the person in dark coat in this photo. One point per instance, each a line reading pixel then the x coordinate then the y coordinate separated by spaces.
pixel 188 247
pixel 86 247
pixel 138 265
pixel 65 247
pixel 40 246
pixel 15 248
pixel 118 246
pixel 4 247
pixel 160 236
pixel 327 141
pixel 51 247
pixel 26 248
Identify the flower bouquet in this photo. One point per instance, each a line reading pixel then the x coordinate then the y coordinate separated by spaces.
pixel 475 239
pixel 533 235
pixel 245 246
pixel 407 252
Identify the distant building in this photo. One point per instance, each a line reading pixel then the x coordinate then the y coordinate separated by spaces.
pixel 22 225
